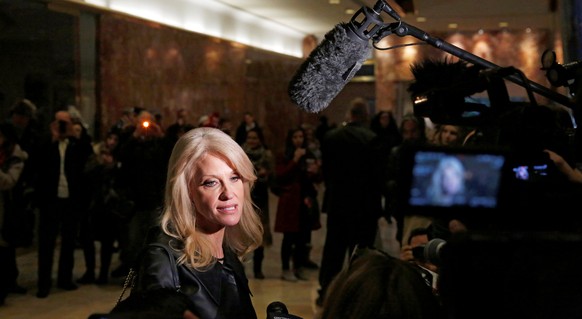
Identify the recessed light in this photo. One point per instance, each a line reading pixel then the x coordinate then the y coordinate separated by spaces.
pixel 420 19
pixel 503 24
pixel 334 1
pixel 350 11
pixel 453 25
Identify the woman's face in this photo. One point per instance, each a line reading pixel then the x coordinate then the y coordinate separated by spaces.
pixel 384 120
pixel 112 140
pixel 452 181
pixel 218 194
pixel 449 134
pixel 298 138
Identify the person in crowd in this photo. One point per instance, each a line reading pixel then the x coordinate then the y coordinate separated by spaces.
pixel 12 161
pixel 247 123
pixel 447 186
pixel 387 137
pixel 412 130
pixel 180 126
pixel 323 127
pixel 297 209
pixel 353 178
pixel 208 223
pixel 264 163
pixel 448 135
pixel 85 236
pixel 173 132
pixel 225 124
pixel 314 146
pixel 140 180
pixel 102 224
pixel 59 192
pixel 386 129
pixel 128 123
pixel 377 285
pixel 417 240
pixel 28 133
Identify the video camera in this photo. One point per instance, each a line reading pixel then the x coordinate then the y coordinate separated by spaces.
pixel 523 238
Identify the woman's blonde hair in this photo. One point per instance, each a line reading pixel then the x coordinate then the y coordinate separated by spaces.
pixel 179 215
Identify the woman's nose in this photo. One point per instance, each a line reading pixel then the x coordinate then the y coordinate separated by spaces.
pixel 226 193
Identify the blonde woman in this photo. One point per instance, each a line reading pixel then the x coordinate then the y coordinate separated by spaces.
pixel 208 223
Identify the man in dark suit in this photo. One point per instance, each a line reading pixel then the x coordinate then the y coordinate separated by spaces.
pixel 60 190
pixel 352 174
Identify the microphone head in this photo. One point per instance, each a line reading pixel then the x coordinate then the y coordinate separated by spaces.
pixel 329 67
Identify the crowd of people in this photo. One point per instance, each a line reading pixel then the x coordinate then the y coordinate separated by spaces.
pixel 205 196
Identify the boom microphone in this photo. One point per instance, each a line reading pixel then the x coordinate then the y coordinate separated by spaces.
pixel 328 69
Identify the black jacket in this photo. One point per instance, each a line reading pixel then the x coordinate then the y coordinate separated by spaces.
pixel 212 292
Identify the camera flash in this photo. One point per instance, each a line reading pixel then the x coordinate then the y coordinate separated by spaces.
pixel 145 124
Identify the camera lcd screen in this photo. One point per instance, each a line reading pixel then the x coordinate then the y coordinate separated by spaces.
pixel 442 178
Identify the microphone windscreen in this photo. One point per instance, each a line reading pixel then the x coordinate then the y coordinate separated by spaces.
pixel 329 67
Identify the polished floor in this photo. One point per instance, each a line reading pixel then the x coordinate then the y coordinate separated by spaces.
pixel 89 299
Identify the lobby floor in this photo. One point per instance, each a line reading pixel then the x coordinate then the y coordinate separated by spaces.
pixel 89 299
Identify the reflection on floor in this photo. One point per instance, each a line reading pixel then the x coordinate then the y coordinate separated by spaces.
pixel 89 299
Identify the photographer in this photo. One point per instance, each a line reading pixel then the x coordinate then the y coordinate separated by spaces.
pixel 60 194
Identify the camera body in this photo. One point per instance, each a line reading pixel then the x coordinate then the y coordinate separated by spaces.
pixel 62 127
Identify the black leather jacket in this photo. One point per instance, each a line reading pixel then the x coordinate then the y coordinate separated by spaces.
pixel 221 292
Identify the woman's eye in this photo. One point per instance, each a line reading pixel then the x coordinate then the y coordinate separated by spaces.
pixel 235 178
pixel 209 183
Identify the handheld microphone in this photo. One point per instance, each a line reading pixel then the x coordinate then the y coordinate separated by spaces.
pixel 335 61
pixel 278 310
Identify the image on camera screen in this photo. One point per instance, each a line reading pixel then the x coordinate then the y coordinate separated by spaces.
pixel 455 179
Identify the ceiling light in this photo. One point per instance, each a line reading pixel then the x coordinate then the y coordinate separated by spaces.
pixel 503 24
pixel 334 1
pixel 350 11
pixel 420 19
pixel 453 25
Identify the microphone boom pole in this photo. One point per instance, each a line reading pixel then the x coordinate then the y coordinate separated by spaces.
pixel 402 29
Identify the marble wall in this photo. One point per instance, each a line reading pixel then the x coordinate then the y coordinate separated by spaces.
pixel 164 69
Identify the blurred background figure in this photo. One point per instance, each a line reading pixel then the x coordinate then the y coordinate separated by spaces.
pixel 413 132
pixel 264 163
pixel 297 209
pixel 353 173
pixel 247 123
pixel 141 177
pixel 60 194
pixel 102 222
pixel 12 161
pixel 28 135
pixel 448 135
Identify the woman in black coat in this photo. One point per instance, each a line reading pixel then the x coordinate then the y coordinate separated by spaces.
pixel 207 225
